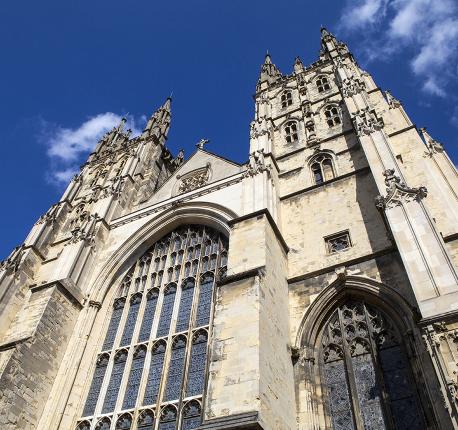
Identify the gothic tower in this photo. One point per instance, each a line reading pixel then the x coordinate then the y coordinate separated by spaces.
pixel 313 287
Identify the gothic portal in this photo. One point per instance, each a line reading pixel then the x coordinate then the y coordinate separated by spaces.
pixel 313 287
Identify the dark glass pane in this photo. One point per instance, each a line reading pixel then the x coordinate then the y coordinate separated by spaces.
pixel 96 385
pixel 185 307
pixel 191 423
pixel 118 307
pixel 169 425
pixel 154 376
pixel 196 373
pixel 368 392
pixel 115 382
pixel 103 424
pixel 166 313
pixel 205 301
pixel 124 422
pixel 403 404
pixel 168 419
pixel 130 398
pixel 146 421
pixel 176 370
pixel 148 316
pixel 338 395
pixel 126 337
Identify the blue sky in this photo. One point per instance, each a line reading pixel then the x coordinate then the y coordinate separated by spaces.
pixel 70 69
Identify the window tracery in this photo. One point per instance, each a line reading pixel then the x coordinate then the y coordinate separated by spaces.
pixel 151 367
pixel 365 372
pixel 291 134
pixel 322 84
pixel 286 99
pixel 332 116
pixel 322 168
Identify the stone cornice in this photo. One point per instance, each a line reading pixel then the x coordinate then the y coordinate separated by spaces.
pixel 266 213
pixel 331 181
pixel 177 200
pixel 251 273
pixel 347 263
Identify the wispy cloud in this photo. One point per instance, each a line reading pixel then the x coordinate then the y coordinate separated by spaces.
pixel 68 147
pixel 425 30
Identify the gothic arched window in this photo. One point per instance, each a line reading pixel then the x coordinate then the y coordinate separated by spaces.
pixel 144 363
pixel 322 169
pixel 291 131
pixel 286 99
pixel 332 116
pixel 322 84
pixel 146 420
pixel 366 376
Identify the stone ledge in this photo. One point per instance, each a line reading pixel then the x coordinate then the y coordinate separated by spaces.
pixel 66 286
pixel 266 213
pixel 245 421
pixel 257 271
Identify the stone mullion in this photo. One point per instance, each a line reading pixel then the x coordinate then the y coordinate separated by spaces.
pixel 384 398
pixel 125 378
pixel 357 413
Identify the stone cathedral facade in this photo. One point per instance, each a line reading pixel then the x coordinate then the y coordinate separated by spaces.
pixel 313 287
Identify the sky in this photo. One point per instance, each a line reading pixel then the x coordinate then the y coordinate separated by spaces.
pixel 71 69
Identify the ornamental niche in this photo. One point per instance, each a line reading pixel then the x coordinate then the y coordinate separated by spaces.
pixel 195 179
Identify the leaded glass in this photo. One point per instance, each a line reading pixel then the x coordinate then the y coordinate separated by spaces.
pixel 176 369
pixel 154 374
pixel 116 315
pixel 115 382
pixel 129 327
pixel 136 370
pixel 191 416
pixel 145 420
pixel 196 372
pixel 166 311
pixel 205 300
pixel 148 315
pixel 124 422
pixel 199 249
pixel 355 339
pixel 168 418
pixel 84 425
pixel 103 424
pixel 184 312
pixel 96 385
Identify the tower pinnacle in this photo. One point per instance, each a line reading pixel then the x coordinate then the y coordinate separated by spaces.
pixel 158 125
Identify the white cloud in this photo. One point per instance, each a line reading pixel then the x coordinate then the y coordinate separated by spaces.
pixel 427 30
pixel 360 13
pixel 68 147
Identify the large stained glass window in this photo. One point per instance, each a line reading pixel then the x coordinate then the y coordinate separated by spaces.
pixel 154 351
pixel 366 376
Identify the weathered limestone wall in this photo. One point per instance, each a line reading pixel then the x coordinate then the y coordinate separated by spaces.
pixel 28 368
pixel 250 361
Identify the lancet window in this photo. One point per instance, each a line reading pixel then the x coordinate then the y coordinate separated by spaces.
pixel 291 131
pixel 286 99
pixel 322 168
pixel 153 356
pixel 322 84
pixel 367 380
pixel 332 115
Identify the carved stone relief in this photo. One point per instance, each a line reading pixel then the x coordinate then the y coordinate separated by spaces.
pixel 398 192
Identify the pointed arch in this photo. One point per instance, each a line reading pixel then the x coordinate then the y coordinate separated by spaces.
pixel 380 342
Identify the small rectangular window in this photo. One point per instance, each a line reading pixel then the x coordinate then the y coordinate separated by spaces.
pixel 337 242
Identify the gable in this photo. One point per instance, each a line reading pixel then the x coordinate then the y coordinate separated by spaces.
pixel 201 169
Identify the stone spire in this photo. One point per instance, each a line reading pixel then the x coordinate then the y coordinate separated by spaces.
pixel 269 73
pixel 330 43
pixel 158 125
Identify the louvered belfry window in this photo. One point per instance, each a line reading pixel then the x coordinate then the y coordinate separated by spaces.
pixel 150 372
pixel 367 380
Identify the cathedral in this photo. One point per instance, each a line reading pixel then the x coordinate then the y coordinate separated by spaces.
pixel 314 286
